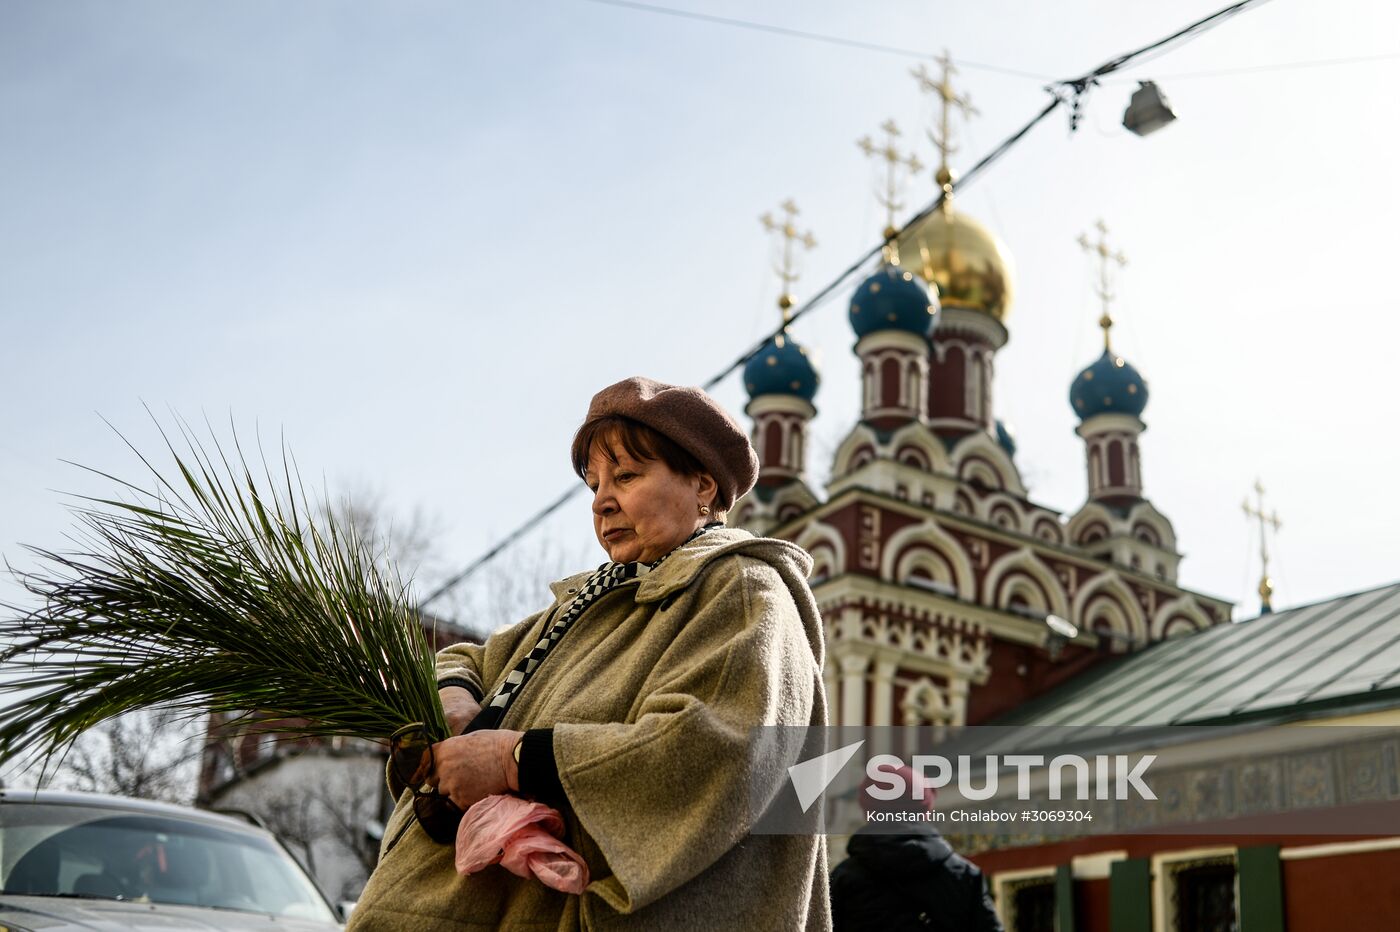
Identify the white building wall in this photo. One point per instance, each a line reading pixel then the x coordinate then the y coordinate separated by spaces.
pixel 320 804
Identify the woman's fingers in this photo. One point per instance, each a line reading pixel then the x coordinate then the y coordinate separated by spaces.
pixel 468 768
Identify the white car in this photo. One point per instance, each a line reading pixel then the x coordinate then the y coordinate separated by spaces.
pixel 77 861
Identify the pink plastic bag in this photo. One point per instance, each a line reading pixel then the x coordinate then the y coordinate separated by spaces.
pixel 523 837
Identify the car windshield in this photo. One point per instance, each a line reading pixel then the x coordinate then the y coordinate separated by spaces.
pixel 52 849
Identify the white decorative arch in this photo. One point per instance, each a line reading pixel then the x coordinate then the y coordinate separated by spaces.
pixel 923 704
pixel 1127 619
pixel 860 436
pixel 1091 512
pixel 1145 513
pixel 898 562
pixel 1183 606
pixel 980 444
pixel 981 472
pixel 817 538
pixel 1039 519
pixel 917 435
pixel 914 456
pixel 1025 561
pixel 990 501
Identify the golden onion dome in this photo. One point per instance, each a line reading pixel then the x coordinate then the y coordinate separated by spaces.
pixel 970 266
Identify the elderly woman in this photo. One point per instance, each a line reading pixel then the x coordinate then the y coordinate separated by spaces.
pixel 628 704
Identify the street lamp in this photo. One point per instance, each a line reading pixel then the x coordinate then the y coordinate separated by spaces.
pixel 1148 111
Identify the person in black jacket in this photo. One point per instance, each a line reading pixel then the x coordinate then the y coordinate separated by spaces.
pixel 890 883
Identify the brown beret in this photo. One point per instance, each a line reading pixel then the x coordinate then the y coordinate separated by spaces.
pixel 694 421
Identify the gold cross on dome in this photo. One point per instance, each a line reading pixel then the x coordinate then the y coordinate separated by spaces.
pixel 1104 289
pixel 786 267
pixel 1266 521
pixel 948 99
pixel 894 161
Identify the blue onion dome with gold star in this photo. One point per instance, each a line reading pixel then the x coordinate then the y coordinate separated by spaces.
pixel 782 367
pixel 1005 440
pixel 893 299
pixel 1109 386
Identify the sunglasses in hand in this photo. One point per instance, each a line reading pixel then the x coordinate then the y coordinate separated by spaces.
pixel 410 762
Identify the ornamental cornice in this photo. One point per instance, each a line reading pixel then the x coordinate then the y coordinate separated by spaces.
pixel 1105 423
pixel 1064 553
pixel 963 321
pixel 844 599
pixel 957 651
pixel 779 404
pixel 883 340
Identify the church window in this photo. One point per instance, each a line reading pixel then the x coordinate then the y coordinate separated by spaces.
pixel 1115 463
pixel 889 383
pixel 975 381
pixel 773 445
pixel 1203 895
pixel 954 366
pixel 1032 905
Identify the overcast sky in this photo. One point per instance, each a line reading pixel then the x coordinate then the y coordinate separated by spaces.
pixel 415 237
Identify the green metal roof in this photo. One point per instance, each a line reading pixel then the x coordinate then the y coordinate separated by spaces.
pixel 1341 654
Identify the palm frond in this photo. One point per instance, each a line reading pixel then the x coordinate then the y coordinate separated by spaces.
pixel 210 589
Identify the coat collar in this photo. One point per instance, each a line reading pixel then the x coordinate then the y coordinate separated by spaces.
pixel 682 566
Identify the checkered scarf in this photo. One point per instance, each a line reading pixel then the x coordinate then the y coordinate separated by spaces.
pixel 606 578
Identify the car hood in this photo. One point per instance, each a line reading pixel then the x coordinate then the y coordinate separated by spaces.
pixel 61 914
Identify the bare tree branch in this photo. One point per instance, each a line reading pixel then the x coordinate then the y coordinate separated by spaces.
pixel 150 754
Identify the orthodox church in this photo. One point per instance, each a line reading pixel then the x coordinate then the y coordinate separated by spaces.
pixel 950 596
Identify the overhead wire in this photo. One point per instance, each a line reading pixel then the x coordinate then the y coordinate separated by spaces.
pixel 1279 66
pixel 1201 25
pixel 811 36
pixel 963 63
pixel 1068 91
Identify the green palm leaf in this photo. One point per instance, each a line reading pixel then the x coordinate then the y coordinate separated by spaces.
pixel 210 590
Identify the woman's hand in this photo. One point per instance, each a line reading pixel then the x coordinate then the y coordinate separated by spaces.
pixel 471 767
pixel 459 706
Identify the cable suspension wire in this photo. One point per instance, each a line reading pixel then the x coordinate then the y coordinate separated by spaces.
pixel 1199 26
pixel 502 544
pixel 812 36
pixel 1061 92
pixel 1278 66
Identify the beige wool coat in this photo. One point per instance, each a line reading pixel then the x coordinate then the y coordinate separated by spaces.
pixel 652 696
